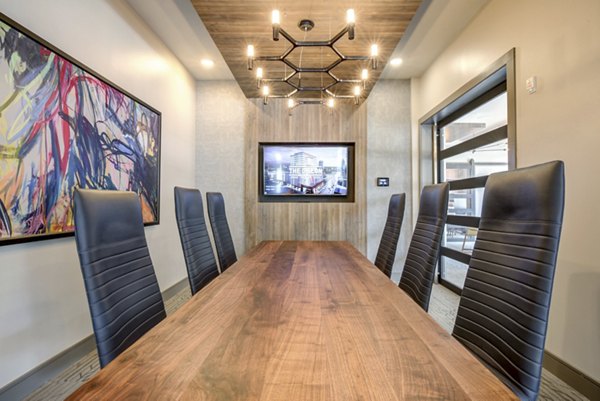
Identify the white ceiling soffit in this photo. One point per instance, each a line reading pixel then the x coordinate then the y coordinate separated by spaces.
pixel 181 29
pixel 434 27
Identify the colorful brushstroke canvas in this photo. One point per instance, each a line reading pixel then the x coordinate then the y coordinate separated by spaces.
pixel 62 126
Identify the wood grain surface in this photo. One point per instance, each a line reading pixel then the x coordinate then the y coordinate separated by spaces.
pixel 297 321
pixel 304 220
pixel 234 24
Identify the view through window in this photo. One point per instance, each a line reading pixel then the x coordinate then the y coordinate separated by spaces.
pixel 472 144
pixel 464 139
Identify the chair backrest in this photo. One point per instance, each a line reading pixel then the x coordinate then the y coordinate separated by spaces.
pixel 220 230
pixel 122 291
pixel 389 239
pixel 423 252
pixel 503 312
pixel 197 250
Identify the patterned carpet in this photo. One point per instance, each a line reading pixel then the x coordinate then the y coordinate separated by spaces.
pixel 443 306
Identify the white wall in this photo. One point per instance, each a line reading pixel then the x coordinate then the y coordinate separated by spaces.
pixel 220 128
pixel 43 308
pixel 557 41
pixel 388 155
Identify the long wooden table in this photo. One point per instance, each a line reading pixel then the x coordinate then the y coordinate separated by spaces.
pixel 297 321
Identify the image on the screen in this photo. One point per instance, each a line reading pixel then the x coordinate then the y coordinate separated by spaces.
pixel 305 170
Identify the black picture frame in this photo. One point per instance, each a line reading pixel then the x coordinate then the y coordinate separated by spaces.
pixel 124 138
pixel 316 198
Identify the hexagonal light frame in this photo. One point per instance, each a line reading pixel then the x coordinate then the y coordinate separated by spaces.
pixel 307 25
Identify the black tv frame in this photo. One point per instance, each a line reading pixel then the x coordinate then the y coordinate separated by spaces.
pixel 349 197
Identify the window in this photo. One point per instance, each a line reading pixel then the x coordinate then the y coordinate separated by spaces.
pixel 472 137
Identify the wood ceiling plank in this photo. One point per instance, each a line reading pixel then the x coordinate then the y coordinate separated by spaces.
pixel 233 24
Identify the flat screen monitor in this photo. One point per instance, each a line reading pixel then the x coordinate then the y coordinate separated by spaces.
pixel 306 172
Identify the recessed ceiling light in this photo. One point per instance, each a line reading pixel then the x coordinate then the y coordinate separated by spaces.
pixel 396 61
pixel 207 63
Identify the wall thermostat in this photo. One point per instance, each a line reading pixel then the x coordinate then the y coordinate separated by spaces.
pixel 383 181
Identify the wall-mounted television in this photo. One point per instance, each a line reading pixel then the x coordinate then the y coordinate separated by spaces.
pixel 306 172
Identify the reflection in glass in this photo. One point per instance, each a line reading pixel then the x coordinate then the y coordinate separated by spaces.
pixel 478 162
pixel 455 272
pixel 466 202
pixel 459 238
pixel 485 118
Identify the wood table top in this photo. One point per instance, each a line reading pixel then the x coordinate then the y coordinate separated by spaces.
pixel 297 320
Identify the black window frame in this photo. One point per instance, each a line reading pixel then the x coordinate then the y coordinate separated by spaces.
pixel 497 79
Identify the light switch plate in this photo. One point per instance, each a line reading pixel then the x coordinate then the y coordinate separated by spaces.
pixel 383 181
pixel 531 85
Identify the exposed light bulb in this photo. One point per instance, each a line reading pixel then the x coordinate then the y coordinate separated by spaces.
pixel 364 75
pixel 259 76
pixel 330 102
pixel 250 51
pixel 374 50
pixel 265 91
pixel 350 16
pixel 275 18
pixel 291 103
pixel 357 91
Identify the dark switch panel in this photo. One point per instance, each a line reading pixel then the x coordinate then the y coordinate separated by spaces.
pixel 383 181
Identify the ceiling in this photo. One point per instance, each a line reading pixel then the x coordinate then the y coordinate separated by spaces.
pixel 234 24
pixel 227 26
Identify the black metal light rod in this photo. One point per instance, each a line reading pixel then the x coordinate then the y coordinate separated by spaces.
pixel 268 58
pixel 288 51
pixel 334 64
pixel 337 37
pixel 312 69
pixel 310 89
pixel 310 102
pixel 357 58
pixel 337 52
pixel 287 36
pixel 273 80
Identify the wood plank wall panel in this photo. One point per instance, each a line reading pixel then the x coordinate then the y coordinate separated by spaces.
pixel 305 221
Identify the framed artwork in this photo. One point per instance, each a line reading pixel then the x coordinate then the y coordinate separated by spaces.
pixel 61 126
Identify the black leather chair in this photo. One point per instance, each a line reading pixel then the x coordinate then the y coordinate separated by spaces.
pixel 197 250
pixel 503 312
pixel 423 252
pixel 389 239
pixel 122 291
pixel 220 230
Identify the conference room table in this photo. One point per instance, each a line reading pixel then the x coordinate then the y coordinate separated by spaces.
pixel 297 320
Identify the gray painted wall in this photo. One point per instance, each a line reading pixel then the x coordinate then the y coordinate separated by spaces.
pixel 388 155
pixel 220 124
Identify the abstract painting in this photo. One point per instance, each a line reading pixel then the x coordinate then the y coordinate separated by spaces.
pixel 63 126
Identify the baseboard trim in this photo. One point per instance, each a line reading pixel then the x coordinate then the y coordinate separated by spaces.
pixel 32 380
pixel 573 377
pixel 174 289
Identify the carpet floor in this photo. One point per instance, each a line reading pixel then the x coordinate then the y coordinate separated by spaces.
pixel 443 307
